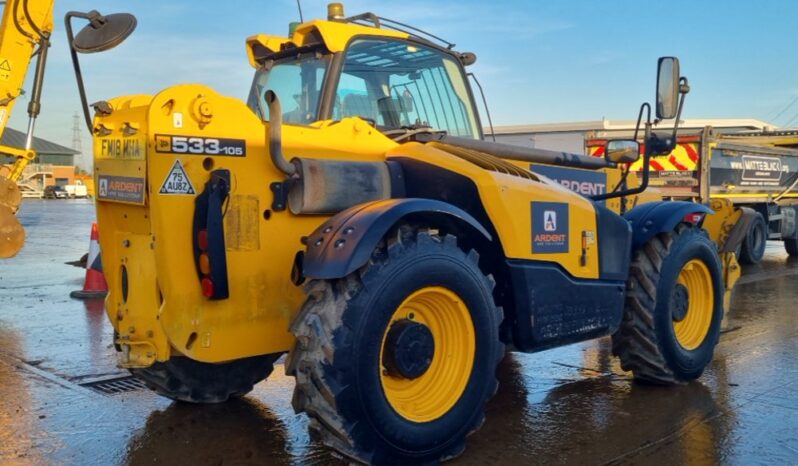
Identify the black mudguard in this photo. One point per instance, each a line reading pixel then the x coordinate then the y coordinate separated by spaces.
pixel 346 241
pixel 652 218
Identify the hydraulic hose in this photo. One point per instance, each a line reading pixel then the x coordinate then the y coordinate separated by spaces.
pixel 275 135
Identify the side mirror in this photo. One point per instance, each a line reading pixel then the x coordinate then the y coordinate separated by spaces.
pixel 622 151
pixel 667 87
pixel 103 32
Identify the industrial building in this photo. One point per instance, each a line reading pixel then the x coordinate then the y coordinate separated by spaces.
pixel 54 164
pixel 571 137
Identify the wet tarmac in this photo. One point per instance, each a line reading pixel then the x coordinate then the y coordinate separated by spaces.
pixel 567 406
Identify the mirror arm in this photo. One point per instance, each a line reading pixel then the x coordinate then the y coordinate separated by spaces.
pixel 684 88
pixel 76 64
pixel 643 182
pixel 646 156
pixel 646 106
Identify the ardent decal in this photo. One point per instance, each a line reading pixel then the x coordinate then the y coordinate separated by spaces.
pixel 549 227
pixel 120 188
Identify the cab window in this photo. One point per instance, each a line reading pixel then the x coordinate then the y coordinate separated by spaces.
pixel 297 81
pixel 398 84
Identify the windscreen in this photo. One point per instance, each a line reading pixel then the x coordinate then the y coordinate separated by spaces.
pixel 398 84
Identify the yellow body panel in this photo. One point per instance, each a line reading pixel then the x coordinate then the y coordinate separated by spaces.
pixel 507 199
pixel 268 42
pixel 260 252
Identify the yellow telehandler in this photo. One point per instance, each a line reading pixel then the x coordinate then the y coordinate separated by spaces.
pixel 351 215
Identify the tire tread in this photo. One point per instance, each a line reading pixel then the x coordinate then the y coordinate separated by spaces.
pixel 322 335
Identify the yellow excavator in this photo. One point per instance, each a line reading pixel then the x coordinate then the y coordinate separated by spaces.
pixel 351 214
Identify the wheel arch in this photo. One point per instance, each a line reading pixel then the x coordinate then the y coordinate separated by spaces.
pixel 652 218
pixel 346 241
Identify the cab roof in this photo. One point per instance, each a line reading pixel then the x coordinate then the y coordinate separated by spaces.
pixel 334 35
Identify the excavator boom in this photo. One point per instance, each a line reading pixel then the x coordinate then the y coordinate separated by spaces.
pixel 24 33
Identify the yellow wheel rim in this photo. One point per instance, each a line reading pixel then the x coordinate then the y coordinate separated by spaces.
pixel 693 328
pixel 433 394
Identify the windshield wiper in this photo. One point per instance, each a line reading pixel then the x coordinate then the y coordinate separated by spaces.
pixel 405 132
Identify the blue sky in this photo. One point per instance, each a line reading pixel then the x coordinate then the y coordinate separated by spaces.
pixel 539 62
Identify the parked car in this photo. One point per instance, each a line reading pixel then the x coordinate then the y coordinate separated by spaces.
pixel 55 192
pixel 77 190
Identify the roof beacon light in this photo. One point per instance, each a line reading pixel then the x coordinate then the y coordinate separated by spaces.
pixel 335 11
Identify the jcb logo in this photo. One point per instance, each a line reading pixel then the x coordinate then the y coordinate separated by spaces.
pixel 163 143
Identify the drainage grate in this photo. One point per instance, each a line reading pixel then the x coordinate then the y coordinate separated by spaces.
pixel 116 386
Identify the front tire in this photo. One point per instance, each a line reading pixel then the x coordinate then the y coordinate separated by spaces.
pixel 674 308
pixel 395 362
pixel 184 379
pixel 791 246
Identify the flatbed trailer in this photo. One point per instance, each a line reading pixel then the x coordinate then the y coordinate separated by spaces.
pixel 758 171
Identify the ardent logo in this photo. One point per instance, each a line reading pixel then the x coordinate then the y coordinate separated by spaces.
pixel 549 220
pixel 549 227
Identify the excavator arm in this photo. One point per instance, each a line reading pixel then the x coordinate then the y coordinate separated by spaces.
pixel 24 33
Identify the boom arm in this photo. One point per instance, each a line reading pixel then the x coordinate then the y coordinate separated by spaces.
pixel 24 33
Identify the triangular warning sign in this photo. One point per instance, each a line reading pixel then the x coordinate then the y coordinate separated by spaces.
pixel 177 182
pixel 5 66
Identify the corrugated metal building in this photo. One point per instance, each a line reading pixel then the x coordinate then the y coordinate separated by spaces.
pixel 571 137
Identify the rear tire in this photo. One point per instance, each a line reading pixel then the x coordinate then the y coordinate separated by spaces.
pixel 674 308
pixel 184 379
pixel 356 401
pixel 753 246
pixel 791 246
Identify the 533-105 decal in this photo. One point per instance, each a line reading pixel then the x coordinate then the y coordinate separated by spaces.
pixel 195 145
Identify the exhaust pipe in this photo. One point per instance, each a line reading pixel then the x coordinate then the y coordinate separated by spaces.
pixel 275 135
pixel 322 186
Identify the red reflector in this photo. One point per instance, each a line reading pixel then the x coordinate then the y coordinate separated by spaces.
pixel 207 287
pixel 202 240
pixel 693 218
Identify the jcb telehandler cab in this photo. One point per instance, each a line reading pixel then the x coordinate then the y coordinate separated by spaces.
pixel 356 172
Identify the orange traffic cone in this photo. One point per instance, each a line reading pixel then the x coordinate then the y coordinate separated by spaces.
pixel 94 286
